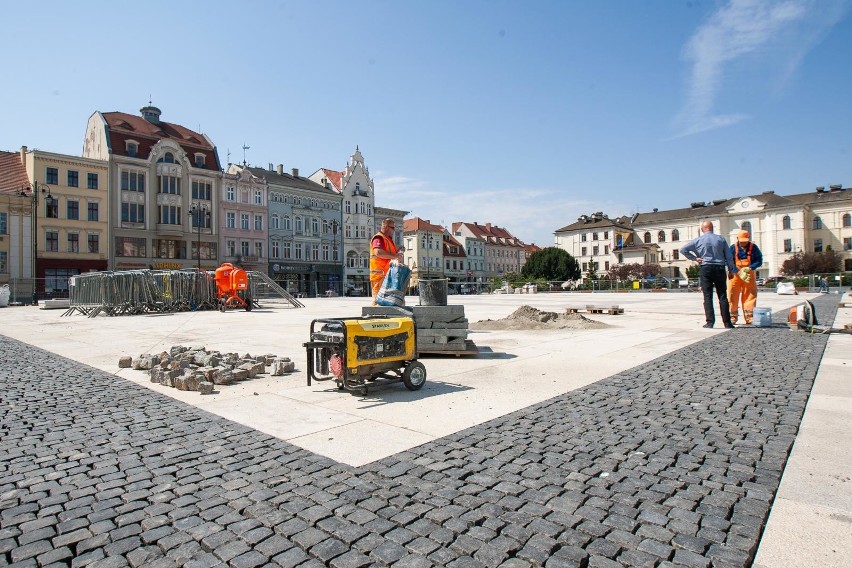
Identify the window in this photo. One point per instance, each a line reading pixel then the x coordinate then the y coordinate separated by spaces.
pixel 132 181
pixel 170 185
pixel 287 225
pixel 675 235
pixel 73 242
pixel 199 160
pixel 595 250
pixel 4 223
pixel 661 237
pixel 131 247
pixel 606 235
pixel 606 249
pixel 585 266
pixel 244 248
pixel 169 248
pixel 94 243
pixel 817 245
pixel 244 222
pixel 168 158
pixel 847 243
pixel 258 249
pixel 200 218
pixel 201 190
pixel 817 223
pixel 258 197
pixel 231 220
pixel 132 148
pixel 288 250
pixel 51 175
pixel 51 208
pixel 258 222
pixel 132 213
pixel 231 247
pixel 785 222
pixel 92 211
pixel 275 221
pixel 746 226
pixel 594 236
pixel 276 249
pixel 4 262
pixel 230 194
pixel 298 224
pixel 92 181
pixel 314 252
pixel 52 241
pixel 583 238
pixel 647 238
pixel 169 215
pixel 325 251
pixel 72 210
pixel 298 250
pixel 788 245
pixel 315 226
pixel 73 178
pixel 348 206
pixel 56 279
pixel 847 220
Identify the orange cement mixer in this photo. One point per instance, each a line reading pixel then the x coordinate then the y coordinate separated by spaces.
pixel 232 287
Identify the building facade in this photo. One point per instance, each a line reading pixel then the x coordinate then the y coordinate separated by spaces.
pixel 164 182
pixel 303 232
pixel 504 253
pixel 244 219
pixel 780 225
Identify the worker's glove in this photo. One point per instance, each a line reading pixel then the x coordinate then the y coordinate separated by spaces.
pixel 745 274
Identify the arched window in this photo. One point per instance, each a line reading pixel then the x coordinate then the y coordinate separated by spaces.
pixel 785 222
pixel 299 225
pixel 847 220
pixel 647 238
pixel 315 226
pixel 675 235
pixel 746 226
pixel 168 158
pixel 275 221
pixel 288 225
pixel 661 237
pixel 817 223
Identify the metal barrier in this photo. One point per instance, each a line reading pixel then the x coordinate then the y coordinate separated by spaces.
pixel 133 292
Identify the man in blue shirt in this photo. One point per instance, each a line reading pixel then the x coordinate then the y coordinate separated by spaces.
pixel 716 262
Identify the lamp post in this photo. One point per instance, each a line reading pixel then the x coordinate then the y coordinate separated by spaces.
pixel 34 188
pixel 334 250
pixel 200 216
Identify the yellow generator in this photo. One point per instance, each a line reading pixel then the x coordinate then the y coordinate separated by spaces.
pixel 355 351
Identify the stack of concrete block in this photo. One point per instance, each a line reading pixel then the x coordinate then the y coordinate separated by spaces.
pixel 439 328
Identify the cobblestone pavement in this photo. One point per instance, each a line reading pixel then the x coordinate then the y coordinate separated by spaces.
pixel 674 462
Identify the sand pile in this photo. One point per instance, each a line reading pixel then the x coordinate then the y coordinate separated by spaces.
pixel 527 317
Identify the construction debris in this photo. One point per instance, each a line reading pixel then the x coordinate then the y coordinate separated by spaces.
pixel 528 318
pixel 196 369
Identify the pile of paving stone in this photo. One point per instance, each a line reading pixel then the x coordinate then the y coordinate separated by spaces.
pixel 196 369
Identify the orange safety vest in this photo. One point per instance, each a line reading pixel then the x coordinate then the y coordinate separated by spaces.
pixel 380 265
pixel 742 263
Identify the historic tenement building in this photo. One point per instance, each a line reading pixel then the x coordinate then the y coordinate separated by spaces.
pixel 165 182
pixel 780 225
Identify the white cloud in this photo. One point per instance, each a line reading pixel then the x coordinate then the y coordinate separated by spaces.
pixel 760 28
pixel 531 214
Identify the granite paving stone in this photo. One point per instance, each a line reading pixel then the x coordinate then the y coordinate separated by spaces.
pixel 676 461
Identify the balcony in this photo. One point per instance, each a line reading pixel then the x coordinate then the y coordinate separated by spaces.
pixel 249 258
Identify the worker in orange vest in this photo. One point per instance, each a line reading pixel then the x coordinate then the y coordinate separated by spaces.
pixel 382 251
pixel 742 288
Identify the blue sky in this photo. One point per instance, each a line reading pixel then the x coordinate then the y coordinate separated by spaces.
pixel 525 114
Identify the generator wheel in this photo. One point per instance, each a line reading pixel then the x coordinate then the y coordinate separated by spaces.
pixel 414 376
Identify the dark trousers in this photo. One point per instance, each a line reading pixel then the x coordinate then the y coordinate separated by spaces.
pixel 714 276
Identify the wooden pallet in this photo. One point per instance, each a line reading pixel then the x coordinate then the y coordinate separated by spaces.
pixel 611 310
pixel 470 348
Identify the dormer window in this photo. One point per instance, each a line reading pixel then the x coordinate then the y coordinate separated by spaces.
pixel 132 148
pixel 168 158
pixel 199 160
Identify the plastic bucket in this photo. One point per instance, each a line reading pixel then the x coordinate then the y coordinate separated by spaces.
pixel 762 317
pixel 433 291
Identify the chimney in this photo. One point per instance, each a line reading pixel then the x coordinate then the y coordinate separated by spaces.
pixel 280 169
pixel 820 189
pixel 23 155
pixel 488 227
pixel 835 187
pixel 295 172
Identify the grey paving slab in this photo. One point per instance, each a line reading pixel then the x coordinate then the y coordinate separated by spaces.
pixel 673 461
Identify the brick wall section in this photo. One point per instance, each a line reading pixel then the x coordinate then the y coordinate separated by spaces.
pixel 674 462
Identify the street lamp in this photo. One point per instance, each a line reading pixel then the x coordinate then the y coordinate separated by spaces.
pixel 334 250
pixel 200 218
pixel 34 189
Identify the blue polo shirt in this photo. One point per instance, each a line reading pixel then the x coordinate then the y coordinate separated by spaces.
pixel 712 249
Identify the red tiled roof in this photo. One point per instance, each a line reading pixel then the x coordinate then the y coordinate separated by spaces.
pixel 123 127
pixel 491 233
pixel 335 177
pixel 418 224
pixel 450 241
pixel 13 174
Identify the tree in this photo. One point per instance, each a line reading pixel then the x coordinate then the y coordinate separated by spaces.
pixel 804 263
pixel 693 271
pixel 551 263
